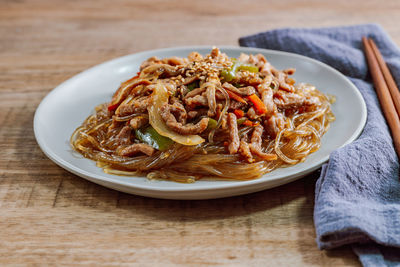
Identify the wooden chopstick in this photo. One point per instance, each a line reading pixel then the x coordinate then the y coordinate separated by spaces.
pixel 383 92
pixel 393 89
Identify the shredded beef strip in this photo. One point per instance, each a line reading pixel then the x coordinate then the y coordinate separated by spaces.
pixel 244 150
pixel 138 105
pixel 236 105
pixel 194 92
pixel 135 149
pixel 114 125
pixel 178 110
pixel 150 61
pixel 251 113
pixel 224 122
pixel 219 96
pixel 192 114
pixel 267 97
pixel 266 69
pixel 261 62
pixel 198 100
pixel 244 58
pixel 281 77
pixel 233 134
pixel 172 123
pixel 224 119
pixel 174 61
pixel 123 137
pixel 190 79
pixel 255 146
pixel 284 100
pixel 162 70
pixel 196 113
pixel 129 87
pixel 247 90
pixel 195 56
pixel 183 90
pixel 215 52
pixel 212 83
pixel 245 78
pixel 274 124
pixel 138 122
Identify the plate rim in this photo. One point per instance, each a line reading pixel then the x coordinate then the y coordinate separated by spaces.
pixel 172 189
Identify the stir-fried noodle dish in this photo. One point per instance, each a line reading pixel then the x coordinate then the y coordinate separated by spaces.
pixel 183 119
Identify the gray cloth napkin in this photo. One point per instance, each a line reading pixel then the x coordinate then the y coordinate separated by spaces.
pixel 357 197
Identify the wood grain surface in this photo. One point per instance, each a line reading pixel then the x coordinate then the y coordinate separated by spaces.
pixel 52 217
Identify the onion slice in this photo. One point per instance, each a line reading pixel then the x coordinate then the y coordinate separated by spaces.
pixel 159 97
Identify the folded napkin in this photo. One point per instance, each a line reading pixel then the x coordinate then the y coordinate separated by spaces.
pixel 357 197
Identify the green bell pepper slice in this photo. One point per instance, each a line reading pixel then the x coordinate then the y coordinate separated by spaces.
pixel 248 67
pixel 230 74
pixel 150 136
pixel 241 120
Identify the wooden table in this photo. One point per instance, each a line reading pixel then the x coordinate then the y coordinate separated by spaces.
pixel 50 216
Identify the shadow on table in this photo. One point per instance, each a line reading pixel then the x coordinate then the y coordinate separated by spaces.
pixel 193 210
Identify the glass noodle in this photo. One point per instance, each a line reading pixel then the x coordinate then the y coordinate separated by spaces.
pixel 101 137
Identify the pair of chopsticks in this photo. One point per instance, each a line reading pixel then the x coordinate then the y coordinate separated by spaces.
pixel 386 89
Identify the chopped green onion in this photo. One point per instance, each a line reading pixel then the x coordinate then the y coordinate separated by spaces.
pixel 193 85
pixel 212 124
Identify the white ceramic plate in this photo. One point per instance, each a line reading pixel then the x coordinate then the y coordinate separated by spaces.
pixel 65 108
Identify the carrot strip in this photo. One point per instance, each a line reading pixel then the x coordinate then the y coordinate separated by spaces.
pixel 248 123
pixel 112 107
pixel 239 113
pixel 290 81
pixel 236 97
pixel 121 93
pixel 258 104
